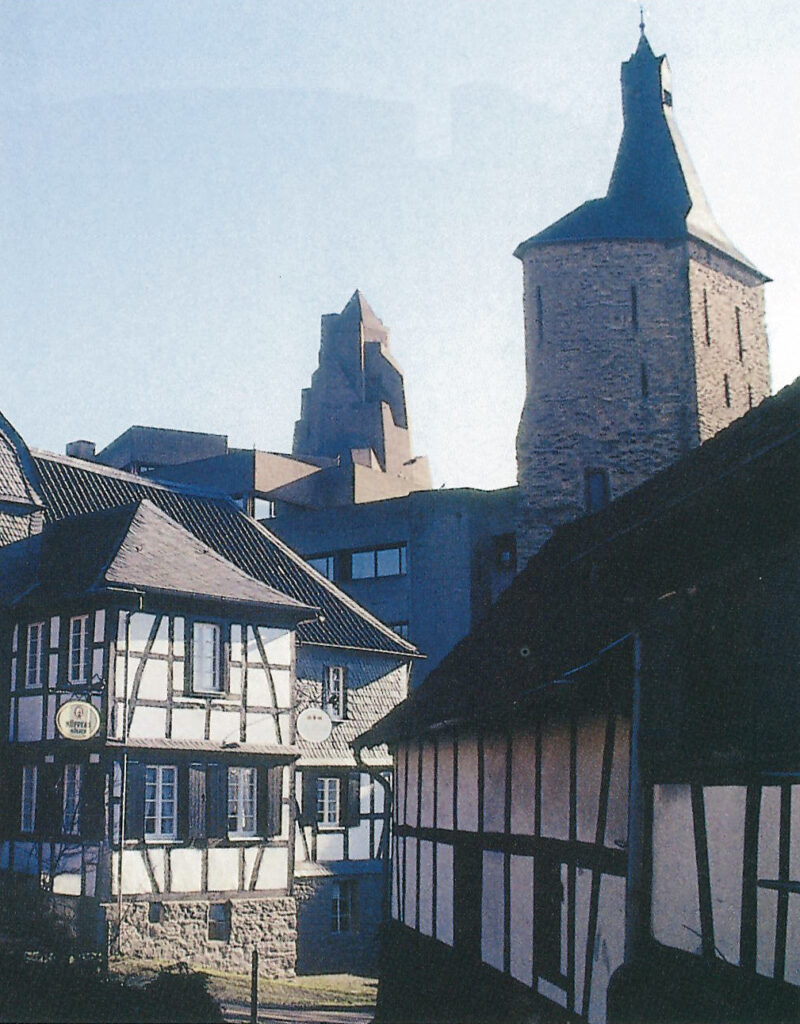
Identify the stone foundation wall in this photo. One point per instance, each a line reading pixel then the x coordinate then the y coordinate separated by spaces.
pixel 319 949
pixel 268 923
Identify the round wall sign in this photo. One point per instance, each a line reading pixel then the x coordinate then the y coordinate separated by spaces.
pixel 314 725
pixel 78 720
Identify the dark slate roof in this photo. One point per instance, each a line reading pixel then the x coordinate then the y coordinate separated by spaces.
pixel 734 497
pixel 16 487
pixel 139 547
pixel 654 192
pixel 73 487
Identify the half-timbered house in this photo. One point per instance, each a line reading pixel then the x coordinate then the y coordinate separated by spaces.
pixel 193 637
pixel 598 789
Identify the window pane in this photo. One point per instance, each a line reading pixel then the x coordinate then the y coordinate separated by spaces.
pixel 363 565
pixel 324 564
pixel 388 562
pixel 205 656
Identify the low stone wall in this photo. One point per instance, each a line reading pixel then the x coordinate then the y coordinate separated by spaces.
pixel 268 923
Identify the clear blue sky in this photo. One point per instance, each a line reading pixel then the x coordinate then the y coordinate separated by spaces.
pixel 187 186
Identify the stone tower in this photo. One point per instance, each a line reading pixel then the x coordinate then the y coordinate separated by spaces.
pixel 355 410
pixel 644 325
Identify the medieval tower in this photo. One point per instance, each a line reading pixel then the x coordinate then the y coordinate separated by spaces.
pixel 644 325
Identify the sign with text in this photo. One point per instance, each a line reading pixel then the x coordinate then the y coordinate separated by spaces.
pixel 314 725
pixel 78 720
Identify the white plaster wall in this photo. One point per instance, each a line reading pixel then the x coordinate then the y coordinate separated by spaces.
pixel 140 625
pixel 676 905
pixel 188 723
pixel 187 866
pixel 467 793
pixel 617 820
pixel 277 645
pixel 523 782
pixel 610 947
pixel 153 684
pixel 53 671
pixel 364 789
pixel 258 692
pixel 767 911
pixel 260 728
pixel 401 783
pixel 285 724
pixel 522 919
pixel 235 679
pixel 97 663
pixel 725 829
pixel 412 784
pixel 444 790
pixel 224 726
pixel 555 780
pixel 551 992
pixel 178 645
pixel 134 873
pixel 283 687
pixel 583 888
pixel 274 873
pixel 591 740
pixel 330 846
pixel 768 858
pixel 410 908
pixel 30 719
pixel 492 909
pixel 359 842
pixel 792 967
pixel 223 869
pixel 99 625
pixel 148 722
pixel 52 707
pixel 158 858
pixel 67 884
pixel 161 642
pixel 444 893
pixel 426 887
pixel 794 844
pixel 428 788
pixel 494 784
pixel 397 876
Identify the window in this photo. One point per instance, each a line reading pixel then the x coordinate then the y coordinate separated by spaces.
pixel 206 675
pixel 328 802
pixel 389 561
pixel 71 804
pixel 634 307
pixel 154 912
pixel 749 397
pixel 706 324
pixel 28 815
pixel 79 649
pixel 505 552
pixel 739 334
pixel 333 692
pixel 34 675
pixel 727 388
pixel 219 922
pixel 401 628
pixel 539 315
pixel 323 564
pixel 264 509
pixel 598 491
pixel 645 384
pixel 242 801
pixel 342 918
pixel 667 98
pixel 160 802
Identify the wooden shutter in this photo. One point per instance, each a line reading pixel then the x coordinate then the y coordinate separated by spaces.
pixel 93 801
pixel 182 797
pixel 197 802
pixel 270 799
pixel 217 801
pixel 308 815
pixel 48 799
pixel 134 801
pixel 352 799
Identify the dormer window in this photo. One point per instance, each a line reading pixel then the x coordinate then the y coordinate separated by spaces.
pixel 667 98
pixel 333 692
pixel 598 490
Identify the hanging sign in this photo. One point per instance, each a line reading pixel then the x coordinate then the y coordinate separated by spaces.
pixel 314 725
pixel 77 720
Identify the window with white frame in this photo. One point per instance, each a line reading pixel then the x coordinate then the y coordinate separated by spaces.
pixel 28 815
pixel 328 802
pixel 342 907
pixel 160 802
pixel 79 659
pixel 71 803
pixel 34 671
pixel 333 691
pixel 242 801
pixel 206 674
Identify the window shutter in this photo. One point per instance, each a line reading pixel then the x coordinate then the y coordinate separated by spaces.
pixel 308 815
pixel 352 810
pixel 48 799
pixel 134 801
pixel 93 794
pixel 270 799
pixel 217 801
pixel 197 802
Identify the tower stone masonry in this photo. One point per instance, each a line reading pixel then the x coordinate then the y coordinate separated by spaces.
pixel 644 325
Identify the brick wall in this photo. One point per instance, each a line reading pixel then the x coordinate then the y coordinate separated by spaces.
pixel 270 923
pixel 320 950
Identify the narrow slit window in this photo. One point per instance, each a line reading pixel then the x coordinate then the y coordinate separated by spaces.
pixel 71 805
pixel 598 490
pixel 739 334
pixel 539 315
pixel 749 397
pixel 644 381
pixel 35 665
pixel 727 387
pixel 634 308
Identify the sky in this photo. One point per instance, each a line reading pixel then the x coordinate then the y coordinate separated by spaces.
pixel 187 187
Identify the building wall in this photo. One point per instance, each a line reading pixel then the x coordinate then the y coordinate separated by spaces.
pixel 510 850
pixel 354 950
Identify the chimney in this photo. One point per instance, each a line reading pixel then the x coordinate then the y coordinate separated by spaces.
pixel 81 449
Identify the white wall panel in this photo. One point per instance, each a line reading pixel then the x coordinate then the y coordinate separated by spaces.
pixel 591 740
pixel 523 782
pixel 444 786
pixel 794 844
pixel 410 907
pixel 235 679
pixel 617 820
pixel 767 911
pixel 413 784
pixel 274 873
pixel 676 905
pixel 140 625
pixel 50 726
pixel 187 866
pixel 52 671
pixel 258 692
pixel 444 893
pixel 188 723
pixel 522 919
pixel 161 642
pixel 223 869
pixel 551 992
pixel 610 945
pixel 178 630
pixel 153 684
pixel 492 909
pixel 428 787
pixel 725 807
pixel 397 876
pixel 134 873
pixel 426 887
pixel 148 722
pixel 330 846
pixel 494 783
pixel 224 726
pixel 99 625
pixel 364 790
pixel 555 780
pixel 792 968
pixel 467 790
pixel 30 719
pixel 277 645
pixel 97 664
pixel 359 842
pixel 583 890
pixel 158 859
pixel 283 687
pixel 54 630
pixel 67 883
pixel 261 728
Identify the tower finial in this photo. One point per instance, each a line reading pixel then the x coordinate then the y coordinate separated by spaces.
pixel 641 18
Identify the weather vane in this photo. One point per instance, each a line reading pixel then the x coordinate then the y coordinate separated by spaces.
pixel 641 18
